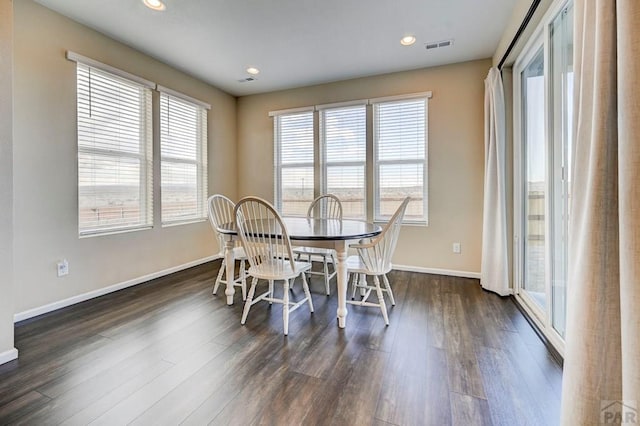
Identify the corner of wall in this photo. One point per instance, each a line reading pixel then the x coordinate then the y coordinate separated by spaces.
pixel 7 351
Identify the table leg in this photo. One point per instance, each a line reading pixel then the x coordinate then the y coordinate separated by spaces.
pixel 231 273
pixel 341 268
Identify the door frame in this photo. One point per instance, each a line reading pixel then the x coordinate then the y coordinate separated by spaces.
pixel 542 318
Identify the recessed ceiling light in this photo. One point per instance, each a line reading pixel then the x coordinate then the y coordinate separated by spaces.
pixel 154 4
pixel 253 70
pixel 407 40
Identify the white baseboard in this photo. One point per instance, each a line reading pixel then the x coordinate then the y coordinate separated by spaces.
pixel 436 271
pixel 9 355
pixel 30 313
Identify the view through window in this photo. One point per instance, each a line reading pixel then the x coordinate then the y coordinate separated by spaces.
pixel 183 151
pixel 400 143
pixel 344 149
pixel 114 152
pixel 294 162
pixel 397 144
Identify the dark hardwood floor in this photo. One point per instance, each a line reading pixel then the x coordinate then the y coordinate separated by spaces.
pixel 169 352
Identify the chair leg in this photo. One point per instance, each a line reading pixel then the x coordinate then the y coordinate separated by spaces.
pixel 388 287
pixel 326 275
pixel 383 306
pixel 243 278
pixel 363 284
pixel 270 291
pixel 247 304
pixel 335 270
pixel 333 262
pixel 364 289
pixel 219 278
pixel 307 293
pixel 354 283
pixel 285 308
pixel 298 257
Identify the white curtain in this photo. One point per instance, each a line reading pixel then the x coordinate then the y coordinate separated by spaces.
pixel 495 262
pixel 601 383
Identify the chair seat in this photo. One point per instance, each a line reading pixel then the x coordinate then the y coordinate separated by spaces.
pixel 356 266
pixel 278 269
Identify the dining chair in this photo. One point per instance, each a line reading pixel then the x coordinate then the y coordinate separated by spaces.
pixel 326 206
pixel 221 213
pixel 374 259
pixel 267 246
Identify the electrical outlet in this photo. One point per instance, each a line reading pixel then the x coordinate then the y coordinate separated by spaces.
pixel 63 268
pixel 456 248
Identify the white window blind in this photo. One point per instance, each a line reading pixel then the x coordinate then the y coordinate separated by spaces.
pixel 114 152
pixel 294 161
pixel 400 153
pixel 183 156
pixel 344 147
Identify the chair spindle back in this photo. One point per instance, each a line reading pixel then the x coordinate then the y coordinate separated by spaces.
pixel 263 234
pixel 377 254
pixel 326 206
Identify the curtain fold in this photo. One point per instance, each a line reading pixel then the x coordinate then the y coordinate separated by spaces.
pixel 601 381
pixel 495 261
pixel 628 12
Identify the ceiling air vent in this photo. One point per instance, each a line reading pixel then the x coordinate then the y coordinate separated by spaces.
pixel 437 44
pixel 247 79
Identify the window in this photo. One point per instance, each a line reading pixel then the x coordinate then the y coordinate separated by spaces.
pixel 344 141
pixel 183 158
pixel 400 156
pixel 114 151
pixel 344 147
pixel 294 162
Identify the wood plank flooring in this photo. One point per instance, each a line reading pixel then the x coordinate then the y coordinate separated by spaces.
pixel 168 352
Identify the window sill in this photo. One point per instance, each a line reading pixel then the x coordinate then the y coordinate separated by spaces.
pixel 421 224
pixel 99 233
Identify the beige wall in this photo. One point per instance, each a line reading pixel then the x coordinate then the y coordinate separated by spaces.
pixel 6 178
pixel 456 154
pixel 45 169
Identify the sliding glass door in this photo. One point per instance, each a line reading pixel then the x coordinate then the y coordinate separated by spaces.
pixel 543 87
pixel 561 57
pixel 534 182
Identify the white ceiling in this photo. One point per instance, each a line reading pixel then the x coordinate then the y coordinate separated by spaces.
pixel 295 42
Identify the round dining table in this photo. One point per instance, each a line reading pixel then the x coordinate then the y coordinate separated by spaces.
pixel 333 234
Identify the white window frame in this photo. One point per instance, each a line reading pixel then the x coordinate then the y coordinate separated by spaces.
pixel 319 164
pixel 425 162
pixel 144 156
pixel 277 159
pixel 533 48
pixel 200 162
pixel 324 164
